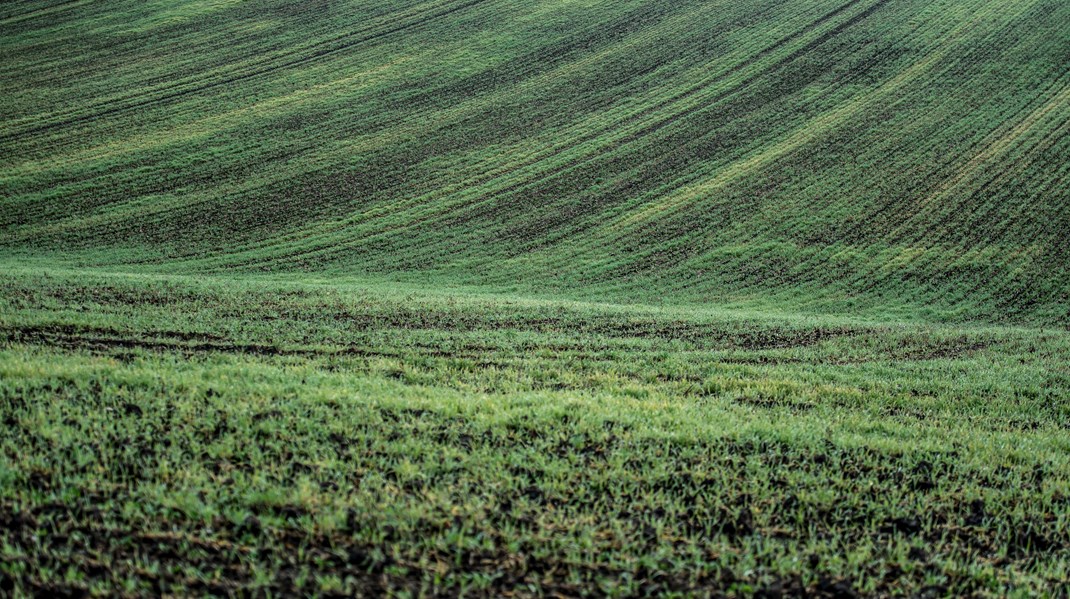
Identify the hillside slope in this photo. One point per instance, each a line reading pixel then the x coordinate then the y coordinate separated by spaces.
pixel 827 154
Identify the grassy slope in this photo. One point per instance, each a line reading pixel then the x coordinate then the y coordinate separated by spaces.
pixel 816 334
pixel 873 155
pixel 178 435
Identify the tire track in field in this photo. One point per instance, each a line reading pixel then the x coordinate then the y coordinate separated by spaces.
pixel 183 208
pixel 607 150
pixel 884 210
pixel 302 61
pixel 802 136
pixel 866 280
pixel 211 122
pixel 793 56
pixel 215 120
pixel 40 12
pixel 649 129
pixel 992 149
pixel 454 9
pixel 756 235
pixel 423 19
pixel 829 89
pixel 991 179
pixel 331 247
pixel 738 88
pixel 1011 263
pixel 660 107
pixel 507 172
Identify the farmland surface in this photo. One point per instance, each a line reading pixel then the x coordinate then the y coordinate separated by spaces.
pixel 574 297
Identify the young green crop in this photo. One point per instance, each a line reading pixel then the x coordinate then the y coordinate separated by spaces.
pixel 420 297
pixel 899 158
pixel 221 435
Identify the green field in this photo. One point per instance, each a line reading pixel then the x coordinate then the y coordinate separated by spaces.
pixel 544 298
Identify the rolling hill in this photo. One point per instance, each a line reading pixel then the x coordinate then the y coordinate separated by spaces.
pixel 871 154
pixel 719 298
